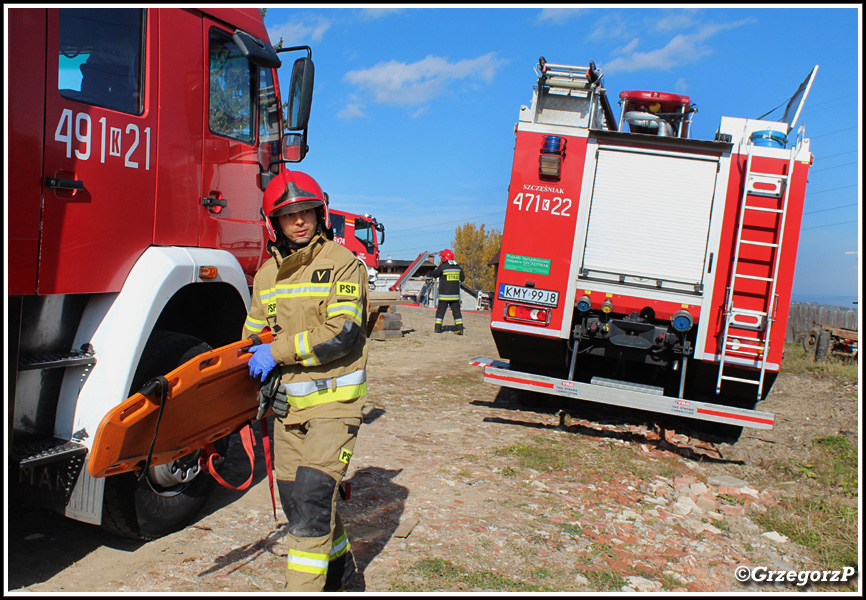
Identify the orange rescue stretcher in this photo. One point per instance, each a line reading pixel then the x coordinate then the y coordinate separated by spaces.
pixel 205 399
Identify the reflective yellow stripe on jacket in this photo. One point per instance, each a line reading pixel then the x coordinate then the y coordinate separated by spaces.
pixel 303 394
pixel 304 350
pixel 350 309
pixel 295 290
pixel 255 325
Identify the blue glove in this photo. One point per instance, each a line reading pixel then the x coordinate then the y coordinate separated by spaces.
pixel 261 361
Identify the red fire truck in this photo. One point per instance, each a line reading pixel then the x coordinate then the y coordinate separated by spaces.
pixel 140 141
pixel 642 268
pixel 362 234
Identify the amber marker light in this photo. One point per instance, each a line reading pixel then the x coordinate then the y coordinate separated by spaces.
pixel 208 272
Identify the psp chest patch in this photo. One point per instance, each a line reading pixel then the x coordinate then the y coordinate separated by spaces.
pixel 348 288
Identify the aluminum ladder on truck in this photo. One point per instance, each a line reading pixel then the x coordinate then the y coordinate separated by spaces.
pixel 756 185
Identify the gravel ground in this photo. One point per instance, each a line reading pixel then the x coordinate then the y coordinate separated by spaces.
pixel 456 485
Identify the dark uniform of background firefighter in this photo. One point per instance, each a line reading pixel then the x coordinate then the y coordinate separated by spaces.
pixel 312 294
pixel 450 275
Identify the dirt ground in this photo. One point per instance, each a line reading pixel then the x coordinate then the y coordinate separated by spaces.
pixel 440 500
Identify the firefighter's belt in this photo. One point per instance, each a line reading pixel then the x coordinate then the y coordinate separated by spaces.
pixel 207 398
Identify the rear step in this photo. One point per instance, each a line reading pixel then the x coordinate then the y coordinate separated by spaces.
pixel 625 394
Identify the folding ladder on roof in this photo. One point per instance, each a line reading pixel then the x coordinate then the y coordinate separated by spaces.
pixel 759 321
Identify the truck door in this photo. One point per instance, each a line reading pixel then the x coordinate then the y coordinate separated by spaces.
pixel 237 148
pixel 100 122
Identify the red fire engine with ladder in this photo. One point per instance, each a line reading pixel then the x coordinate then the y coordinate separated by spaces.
pixel 142 140
pixel 642 268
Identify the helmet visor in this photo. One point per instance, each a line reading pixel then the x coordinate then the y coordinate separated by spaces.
pixel 293 207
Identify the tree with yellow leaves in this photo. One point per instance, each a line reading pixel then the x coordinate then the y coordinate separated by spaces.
pixel 473 248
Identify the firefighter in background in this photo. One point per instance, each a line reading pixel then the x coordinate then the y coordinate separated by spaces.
pixel 312 294
pixel 450 275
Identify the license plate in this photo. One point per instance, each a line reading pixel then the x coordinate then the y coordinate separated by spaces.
pixel 528 295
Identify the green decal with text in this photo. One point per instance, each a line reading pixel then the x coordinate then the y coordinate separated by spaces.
pixel 527 264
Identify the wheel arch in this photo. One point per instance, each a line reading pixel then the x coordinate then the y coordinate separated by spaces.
pixel 162 290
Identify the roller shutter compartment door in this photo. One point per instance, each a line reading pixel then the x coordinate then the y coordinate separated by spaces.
pixel 650 216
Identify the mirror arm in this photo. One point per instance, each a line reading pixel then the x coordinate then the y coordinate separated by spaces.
pixel 293 48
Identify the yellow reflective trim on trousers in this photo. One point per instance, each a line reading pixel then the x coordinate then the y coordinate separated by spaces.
pixel 303 349
pixel 255 324
pixel 341 546
pixel 307 562
pixel 349 392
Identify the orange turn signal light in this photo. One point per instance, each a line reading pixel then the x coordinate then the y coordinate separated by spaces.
pixel 208 272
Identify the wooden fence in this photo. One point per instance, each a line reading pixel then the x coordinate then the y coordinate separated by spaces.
pixel 802 315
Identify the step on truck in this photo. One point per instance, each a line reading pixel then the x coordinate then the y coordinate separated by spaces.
pixel 141 142
pixel 640 267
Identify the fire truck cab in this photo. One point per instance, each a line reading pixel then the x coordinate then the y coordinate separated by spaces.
pixel 141 140
pixel 362 234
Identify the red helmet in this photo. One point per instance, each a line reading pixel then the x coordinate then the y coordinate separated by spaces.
pixel 446 254
pixel 292 191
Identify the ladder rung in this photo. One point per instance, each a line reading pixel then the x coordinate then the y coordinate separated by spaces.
pixel 761 209
pixel 759 243
pixel 743 338
pixel 753 277
pixel 740 379
pixel 746 349
pixel 748 311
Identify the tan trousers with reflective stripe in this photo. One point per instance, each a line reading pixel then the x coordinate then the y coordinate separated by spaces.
pixel 325 445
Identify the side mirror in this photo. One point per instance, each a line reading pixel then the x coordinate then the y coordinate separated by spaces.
pixel 257 52
pixel 300 94
pixel 294 146
pixel 380 227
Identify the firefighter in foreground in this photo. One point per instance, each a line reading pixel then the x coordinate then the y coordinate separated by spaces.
pixel 312 294
pixel 450 275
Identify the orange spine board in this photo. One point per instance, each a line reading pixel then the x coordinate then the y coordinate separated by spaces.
pixel 208 398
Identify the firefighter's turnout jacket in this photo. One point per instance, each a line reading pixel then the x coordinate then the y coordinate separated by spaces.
pixel 315 302
pixel 450 275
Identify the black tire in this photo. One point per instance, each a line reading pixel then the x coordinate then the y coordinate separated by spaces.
pixel 822 347
pixel 811 341
pixel 171 495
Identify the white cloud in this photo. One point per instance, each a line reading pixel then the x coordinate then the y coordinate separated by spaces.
pixel 401 84
pixel 419 112
pixel 371 14
pixel 352 111
pixel 611 26
pixel 303 29
pixel 558 15
pixel 682 49
pixel 628 48
pixel 681 86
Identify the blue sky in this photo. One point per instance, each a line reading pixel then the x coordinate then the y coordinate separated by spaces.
pixel 414 108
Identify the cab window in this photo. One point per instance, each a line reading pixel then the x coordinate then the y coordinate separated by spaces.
pixel 269 122
pixel 101 57
pixel 232 101
pixel 338 223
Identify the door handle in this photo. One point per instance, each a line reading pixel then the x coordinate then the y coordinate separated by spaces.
pixel 215 205
pixel 63 184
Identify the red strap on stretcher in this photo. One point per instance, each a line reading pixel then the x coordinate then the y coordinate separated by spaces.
pixel 248 441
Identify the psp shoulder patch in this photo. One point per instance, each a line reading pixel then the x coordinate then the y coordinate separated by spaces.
pixel 348 288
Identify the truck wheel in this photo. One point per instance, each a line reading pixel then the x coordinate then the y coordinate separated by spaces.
pixel 170 495
pixel 811 340
pixel 822 347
